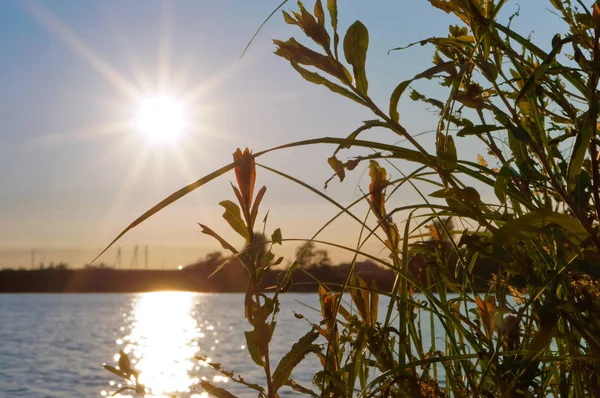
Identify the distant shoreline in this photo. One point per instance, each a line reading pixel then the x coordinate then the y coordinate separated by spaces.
pixel 107 280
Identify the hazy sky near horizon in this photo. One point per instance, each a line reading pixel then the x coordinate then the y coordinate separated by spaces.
pixel 73 170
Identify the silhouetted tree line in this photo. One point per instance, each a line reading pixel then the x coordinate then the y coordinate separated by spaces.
pixel 217 273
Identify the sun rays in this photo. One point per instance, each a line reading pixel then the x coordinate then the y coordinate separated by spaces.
pixel 161 120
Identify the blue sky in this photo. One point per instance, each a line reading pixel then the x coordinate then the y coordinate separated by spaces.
pixel 73 172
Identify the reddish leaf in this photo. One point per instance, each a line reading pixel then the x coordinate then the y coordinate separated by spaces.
pixel 245 173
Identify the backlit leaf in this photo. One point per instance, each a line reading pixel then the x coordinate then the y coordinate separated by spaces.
pixel 319 13
pixel 288 18
pixel 215 391
pixel 356 44
pixel 234 218
pixel 223 242
pixel 313 29
pixel 318 79
pixel 377 188
pixel 366 126
pixel 501 183
pixel 427 74
pixel 252 345
pixel 256 205
pixel 449 156
pixel 481 160
pixel 116 371
pixel 332 8
pixel 125 363
pixel 300 54
pixel 297 353
pixel 527 226
pixel 333 15
pixel 337 166
pixel 442 193
pixel 360 297
pixel 582 142
pixel 276 236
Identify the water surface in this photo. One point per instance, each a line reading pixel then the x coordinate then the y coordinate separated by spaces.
pixel 53 345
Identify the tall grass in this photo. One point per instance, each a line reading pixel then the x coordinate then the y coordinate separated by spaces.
pixel 536 331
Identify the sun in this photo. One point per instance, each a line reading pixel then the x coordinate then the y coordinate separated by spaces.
pixel 161 119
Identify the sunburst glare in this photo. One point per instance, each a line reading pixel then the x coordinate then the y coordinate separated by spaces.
pixel 161 119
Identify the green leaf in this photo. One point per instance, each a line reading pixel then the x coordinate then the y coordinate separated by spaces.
pixel 215 391
pixel 313 29
pixel 520 134
pixel 476 130
pixel 531 82
pixel 522 159
pixel 442 193
pixel 356 44
pixel 410 155
pixel 299 350
pixel 332 8
pixel 489 70
pixel 580 147
pixel 256 204
pixel 278 261
pixel 367 124
pixel 276 236
pixel 557 4
pixel 318 79
pixel 527 226
pixel 288 18
pixel 448 155
pixel 360 297
pixel 583 191
pixel 319 13
pixel 427 74
pixel 543 337
pixel 223 242
pixel 333 14
pixel 252 345
pixel 501 183
pixel 296 52
pixel 233 217
pixel 395 98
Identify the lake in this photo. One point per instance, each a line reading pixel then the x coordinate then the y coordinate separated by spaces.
pixel 54 345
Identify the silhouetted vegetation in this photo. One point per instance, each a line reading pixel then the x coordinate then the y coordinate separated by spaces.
pixel 535 113
pixel 217 273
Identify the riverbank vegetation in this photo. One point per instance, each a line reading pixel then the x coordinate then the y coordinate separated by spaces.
pixel 529 204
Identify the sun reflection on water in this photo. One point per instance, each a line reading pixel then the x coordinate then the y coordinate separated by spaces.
pixel 162 340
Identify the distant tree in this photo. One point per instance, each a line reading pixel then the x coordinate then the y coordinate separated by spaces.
pixel 367 267
pixel 99 265
pixel 308 255
pixel 210 263
pixel 214 257
pixel 61 266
